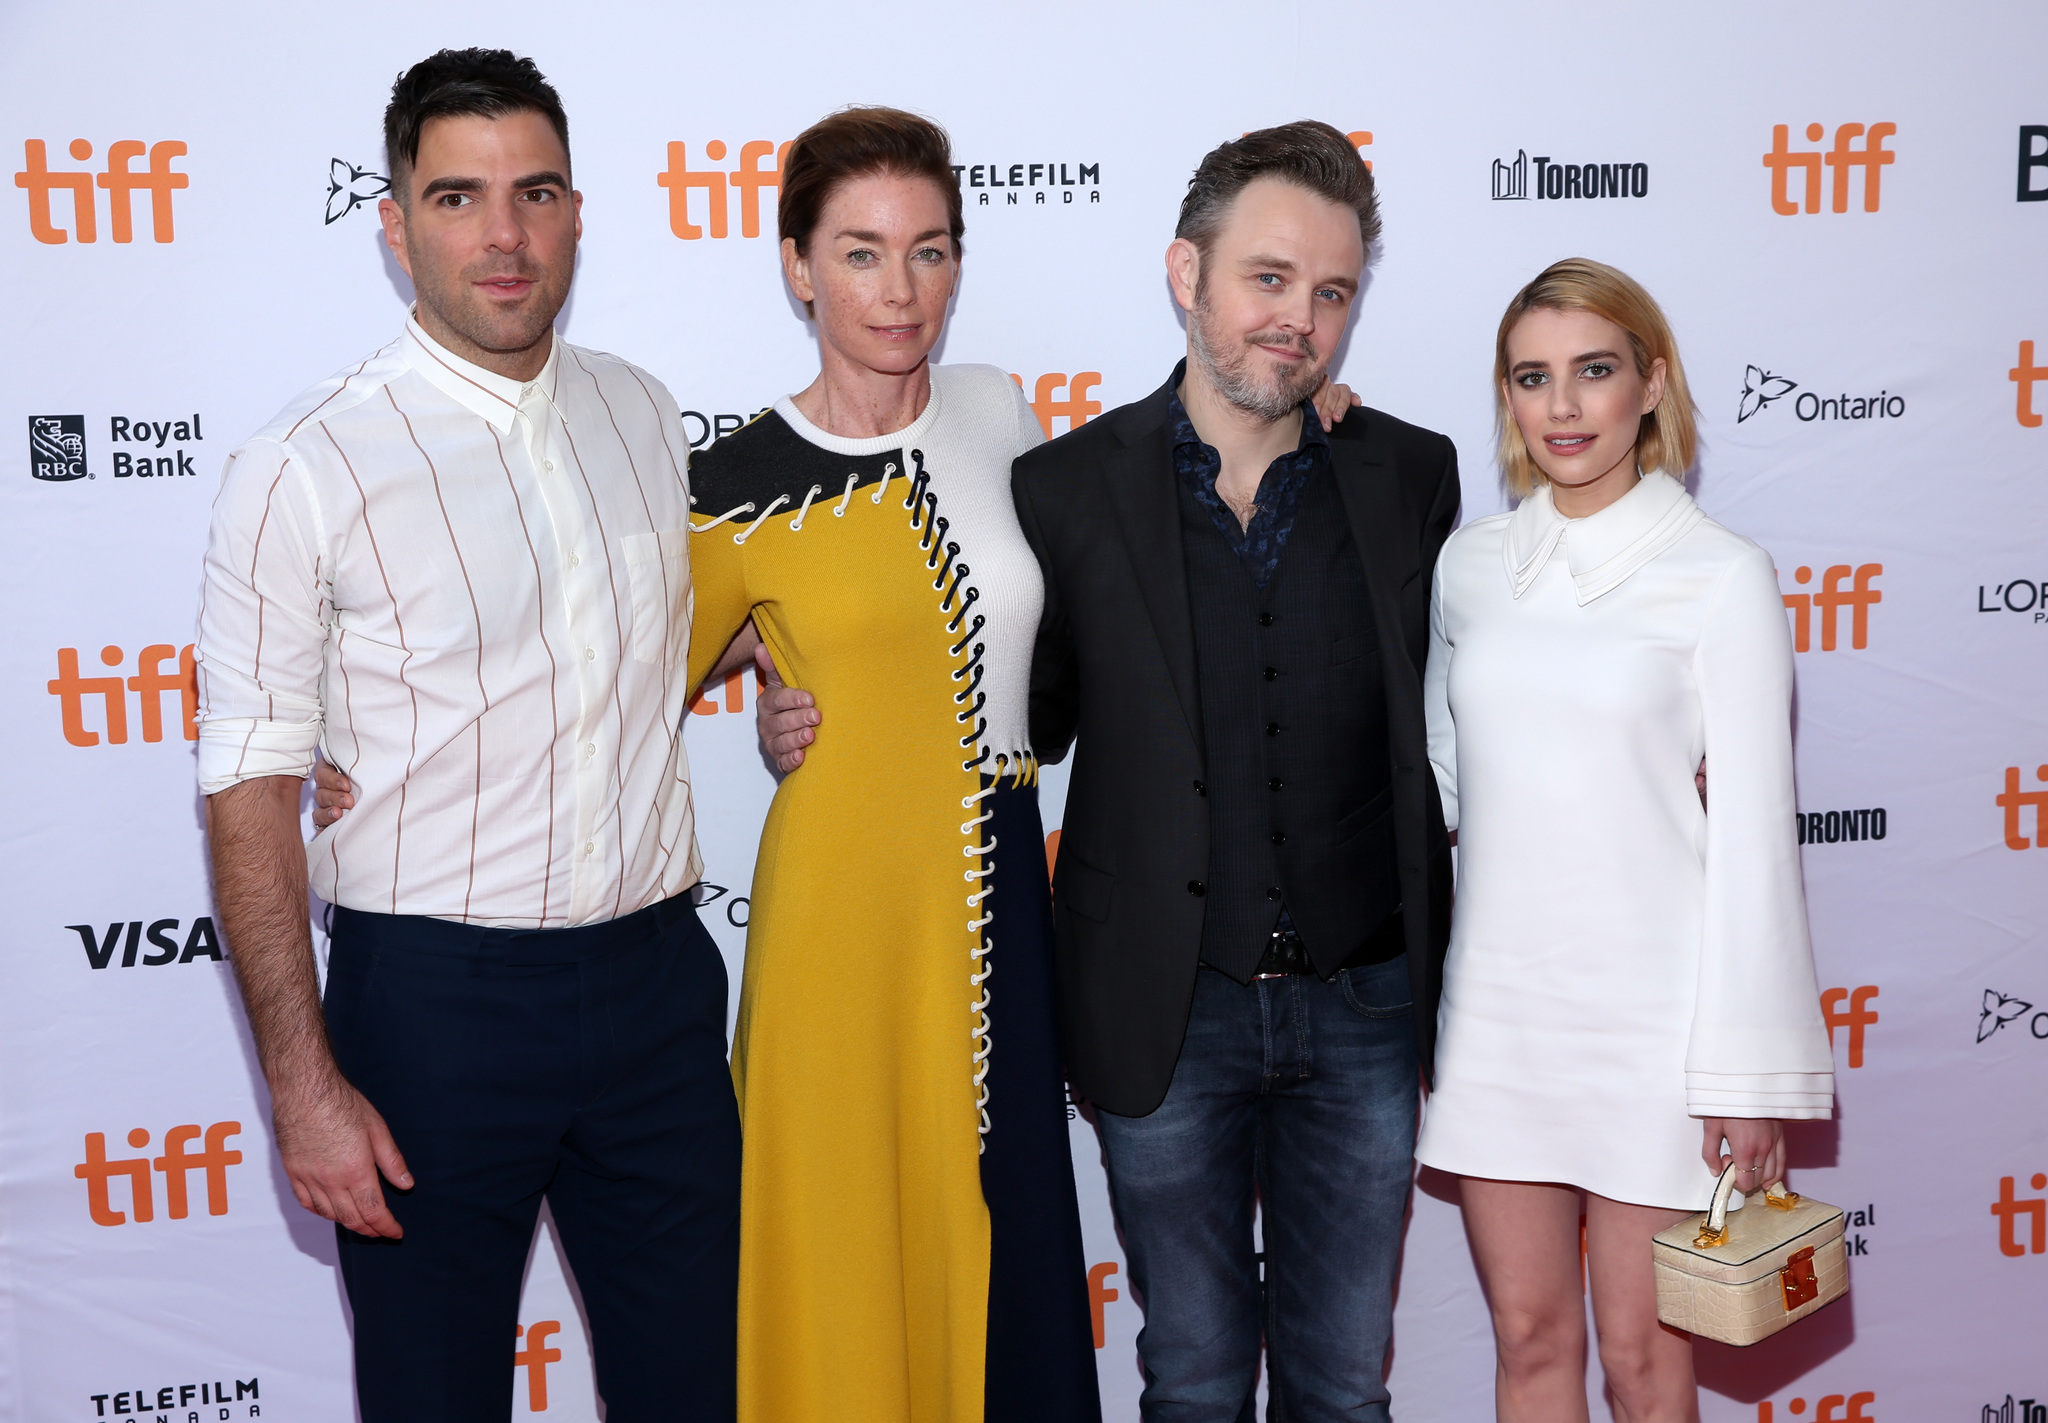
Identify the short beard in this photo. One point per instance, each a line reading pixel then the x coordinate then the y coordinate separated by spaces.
pixel 1268 397
pixel 497 331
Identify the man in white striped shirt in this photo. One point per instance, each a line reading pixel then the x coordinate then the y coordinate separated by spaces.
pixel 460 569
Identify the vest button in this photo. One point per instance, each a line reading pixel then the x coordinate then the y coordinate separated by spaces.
pixel 1279 837
pixel 1195 888
pixel 1271 673
pixel 1273 893
pixel 1275 784
pixel 1201 789
pixel 1272 728
pixel 1265 620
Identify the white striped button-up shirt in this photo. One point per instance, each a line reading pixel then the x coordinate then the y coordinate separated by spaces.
pixel 472 595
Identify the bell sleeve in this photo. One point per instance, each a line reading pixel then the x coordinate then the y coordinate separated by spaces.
pixel 1759 1046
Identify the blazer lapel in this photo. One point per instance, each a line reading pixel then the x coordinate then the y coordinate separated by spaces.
pixel 1146 502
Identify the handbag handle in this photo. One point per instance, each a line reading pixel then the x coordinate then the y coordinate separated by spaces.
pixel 1714 1230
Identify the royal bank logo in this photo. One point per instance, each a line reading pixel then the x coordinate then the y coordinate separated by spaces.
pixel 56 448
pixel 2033 163
pixel 1759 389
pixel 350 187
pixel 1513 182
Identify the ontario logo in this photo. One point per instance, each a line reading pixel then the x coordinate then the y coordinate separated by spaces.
pixel 350 187
pixel 2000 1009
pixel 1762 389
pixel 56 448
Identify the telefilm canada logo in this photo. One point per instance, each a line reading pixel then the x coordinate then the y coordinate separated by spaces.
pixel 221 1398
pixel 1761 389
pixel 1513 182
pixel 350 187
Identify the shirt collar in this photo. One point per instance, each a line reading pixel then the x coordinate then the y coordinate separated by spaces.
pixel 485 394
pixel 1183 428
pixel 1601 550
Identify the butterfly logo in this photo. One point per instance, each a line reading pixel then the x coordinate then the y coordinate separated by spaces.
pixel 1759 389
pixel 349 187
pixel 1998 1011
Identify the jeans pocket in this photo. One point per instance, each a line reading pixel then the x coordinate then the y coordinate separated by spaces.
pixel 1378 990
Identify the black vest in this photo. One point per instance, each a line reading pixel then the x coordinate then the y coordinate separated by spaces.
pixel 1298 770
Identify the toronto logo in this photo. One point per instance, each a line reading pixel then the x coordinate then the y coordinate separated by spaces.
pixel 349 187
pixel 1759 389
pixel 1512 182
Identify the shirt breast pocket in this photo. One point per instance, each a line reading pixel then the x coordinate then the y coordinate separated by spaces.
pixel 658 579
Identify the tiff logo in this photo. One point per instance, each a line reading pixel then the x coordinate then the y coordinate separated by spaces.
pixel 1855 1018
pixel 1843 157
pixel 119 180
pixel 535 1358
pixel 1824 1409
pixel 1859 598
pixel 1076 409
pixel 1100 1293
pixel 2013 800
pixel 735 693
pixel 2010 1210
pixel 213 1159
pixel 749 177
pixel 149 683
pixel 2024 375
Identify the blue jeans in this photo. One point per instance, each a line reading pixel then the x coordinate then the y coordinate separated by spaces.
pixel 1301 1094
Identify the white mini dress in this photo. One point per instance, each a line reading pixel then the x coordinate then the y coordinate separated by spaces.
pixel 1623 962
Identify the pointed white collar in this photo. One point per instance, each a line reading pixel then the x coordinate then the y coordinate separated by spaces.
pixel 1602 549
pixel 483 393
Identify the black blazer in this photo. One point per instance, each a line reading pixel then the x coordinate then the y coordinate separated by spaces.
pixel 1114 669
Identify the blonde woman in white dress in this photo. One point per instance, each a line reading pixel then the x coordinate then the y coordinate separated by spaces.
pixel 1629 1002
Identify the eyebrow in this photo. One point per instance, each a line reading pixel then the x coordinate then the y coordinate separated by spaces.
pixel 1576 361
pixel 544 179
pixel 861 235
pixel 1266 262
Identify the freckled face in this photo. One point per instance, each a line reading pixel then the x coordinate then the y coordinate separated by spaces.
pixel 879 270
pixel 1576 396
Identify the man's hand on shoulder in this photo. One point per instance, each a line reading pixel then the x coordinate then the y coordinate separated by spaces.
pixel 784 716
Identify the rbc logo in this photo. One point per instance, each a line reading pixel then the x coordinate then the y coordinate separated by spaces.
pixel 213 1158
pixel 56 448
pixel 1871 158
pixel 119 181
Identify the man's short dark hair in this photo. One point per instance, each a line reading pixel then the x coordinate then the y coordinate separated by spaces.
pixel 1305 153
pixel 483 83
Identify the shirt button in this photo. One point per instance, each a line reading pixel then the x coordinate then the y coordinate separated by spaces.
pixel 589 847
pixel 590 748
pixel 1279 837
pixel 575 560
pixel 1196 888
pixel 1272 728
pixel 590 654
pixel 1265 620
pixel 1272 673
pixel 1275 784
pixel 548 465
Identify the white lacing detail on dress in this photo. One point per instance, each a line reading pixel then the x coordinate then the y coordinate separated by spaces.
pixel 798 521
pixel 887 470
pixel 846 498
pixel 732 513
pixel 748 532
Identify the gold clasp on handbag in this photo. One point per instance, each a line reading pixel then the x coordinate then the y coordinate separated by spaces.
pixel 1778 1198
pixel 1798 1279
pixel 1709 1238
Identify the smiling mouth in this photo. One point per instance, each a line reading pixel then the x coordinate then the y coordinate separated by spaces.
pixel 507 286
pixel 1567 444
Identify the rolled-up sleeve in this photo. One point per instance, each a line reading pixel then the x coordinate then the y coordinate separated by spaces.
pixel 1759 1047
pixel 262 623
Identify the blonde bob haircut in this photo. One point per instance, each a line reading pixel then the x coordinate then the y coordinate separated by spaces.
pixel 1669 435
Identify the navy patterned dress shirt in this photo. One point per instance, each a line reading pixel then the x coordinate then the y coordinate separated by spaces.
pixel 1260 543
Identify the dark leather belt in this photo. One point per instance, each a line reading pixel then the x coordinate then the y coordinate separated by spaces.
pixel 1286 954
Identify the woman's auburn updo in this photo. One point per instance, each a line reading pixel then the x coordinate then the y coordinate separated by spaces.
pixel 856 142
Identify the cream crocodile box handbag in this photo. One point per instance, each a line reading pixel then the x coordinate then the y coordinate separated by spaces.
pixel 1743 1278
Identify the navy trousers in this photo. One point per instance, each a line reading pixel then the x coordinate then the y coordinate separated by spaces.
pixel 585 1066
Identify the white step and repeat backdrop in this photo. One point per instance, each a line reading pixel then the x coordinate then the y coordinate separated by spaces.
pixel 1844 208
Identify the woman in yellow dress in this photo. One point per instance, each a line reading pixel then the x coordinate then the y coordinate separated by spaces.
pixel 910 1245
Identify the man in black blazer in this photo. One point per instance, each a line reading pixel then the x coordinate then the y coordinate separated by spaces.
pixel 1253 888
